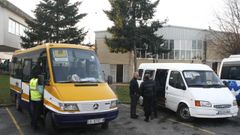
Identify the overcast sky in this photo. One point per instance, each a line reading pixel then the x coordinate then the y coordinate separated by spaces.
pixel 188 13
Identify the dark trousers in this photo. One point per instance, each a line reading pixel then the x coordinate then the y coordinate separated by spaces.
pixel 147 106
pixel 154 107
pixel 35 111
pixel 134 99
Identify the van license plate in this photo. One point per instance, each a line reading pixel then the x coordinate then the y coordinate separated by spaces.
pixel 223 112
pixel 95 121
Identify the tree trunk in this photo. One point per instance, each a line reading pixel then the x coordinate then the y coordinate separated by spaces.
pixel 134 36
pixel 135 56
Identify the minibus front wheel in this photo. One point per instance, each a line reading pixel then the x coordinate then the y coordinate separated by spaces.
pixel 49 124
pixel 17 103
pixel 105 125
pixel 183 113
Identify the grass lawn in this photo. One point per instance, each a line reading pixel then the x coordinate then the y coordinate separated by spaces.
pixel 4 89
pixel 123 94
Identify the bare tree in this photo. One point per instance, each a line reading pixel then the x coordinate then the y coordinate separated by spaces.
pixel 227 41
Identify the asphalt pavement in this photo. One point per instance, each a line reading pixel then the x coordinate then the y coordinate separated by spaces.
pixel 13 122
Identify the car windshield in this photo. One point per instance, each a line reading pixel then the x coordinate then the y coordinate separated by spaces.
pixel 75 65
pixel 203 79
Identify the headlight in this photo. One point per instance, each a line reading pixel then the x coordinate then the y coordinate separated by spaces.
pixel 113 104
pixel 68 107
pixel 202 103
pixel 235 103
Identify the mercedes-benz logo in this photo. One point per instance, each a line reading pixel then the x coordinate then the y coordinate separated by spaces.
pixel 95 106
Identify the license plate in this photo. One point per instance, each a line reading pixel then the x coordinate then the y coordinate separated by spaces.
pixel 95 121
pixel 223 112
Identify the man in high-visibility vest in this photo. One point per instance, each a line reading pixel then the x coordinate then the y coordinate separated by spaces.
pixel 36 100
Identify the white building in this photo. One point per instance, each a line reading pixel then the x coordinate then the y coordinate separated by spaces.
pixel 188 45
pixel 12 26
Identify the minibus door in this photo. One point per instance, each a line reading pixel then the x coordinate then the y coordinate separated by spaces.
pixel 175 89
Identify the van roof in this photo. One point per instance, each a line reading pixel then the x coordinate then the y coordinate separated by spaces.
pixel 175 66
pixel 232 58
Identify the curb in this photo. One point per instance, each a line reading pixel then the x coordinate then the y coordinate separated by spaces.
pixel 6 105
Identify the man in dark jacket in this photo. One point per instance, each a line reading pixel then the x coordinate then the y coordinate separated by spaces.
pixel 147 91
pixel 134 95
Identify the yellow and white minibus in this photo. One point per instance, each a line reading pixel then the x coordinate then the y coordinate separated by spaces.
pixel 74 93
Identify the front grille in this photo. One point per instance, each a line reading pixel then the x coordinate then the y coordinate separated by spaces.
pixel 222 106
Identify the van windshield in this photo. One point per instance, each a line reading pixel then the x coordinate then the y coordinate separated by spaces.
pixel 203 79
pixel 75 65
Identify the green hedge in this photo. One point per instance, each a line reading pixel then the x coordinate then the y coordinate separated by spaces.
pixel 123 94
pixel 4 89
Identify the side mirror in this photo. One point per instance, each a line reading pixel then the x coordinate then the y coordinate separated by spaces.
pixel 225 83
pixel 42 80
pixel 181 86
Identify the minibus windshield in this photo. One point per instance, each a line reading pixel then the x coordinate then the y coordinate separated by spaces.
pixel 205 79
pixel 75 66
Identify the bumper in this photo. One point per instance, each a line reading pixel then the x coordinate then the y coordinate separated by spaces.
pixel 213 112
pixel 72 120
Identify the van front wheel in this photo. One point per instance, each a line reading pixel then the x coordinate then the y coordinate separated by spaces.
pixel 184 113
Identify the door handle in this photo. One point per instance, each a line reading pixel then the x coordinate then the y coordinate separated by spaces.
pixel 166 88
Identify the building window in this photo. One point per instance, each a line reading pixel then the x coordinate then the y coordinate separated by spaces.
pixel 12 26
pixel 16 28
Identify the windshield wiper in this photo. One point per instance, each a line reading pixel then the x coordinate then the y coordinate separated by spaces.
pixel 217 86
pixel 64 81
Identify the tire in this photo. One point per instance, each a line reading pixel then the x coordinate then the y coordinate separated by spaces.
pixel 183 113
pixel 105 125
pixel 49 124
pixel 17 103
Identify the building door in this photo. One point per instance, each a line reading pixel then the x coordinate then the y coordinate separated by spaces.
pixel 119 73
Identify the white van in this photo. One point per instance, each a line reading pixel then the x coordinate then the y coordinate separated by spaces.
pixel 191 90
pixel 230 74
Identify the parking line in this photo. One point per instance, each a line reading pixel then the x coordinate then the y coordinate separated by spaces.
pixel 14 121
pixel 194 127
pixel 182 123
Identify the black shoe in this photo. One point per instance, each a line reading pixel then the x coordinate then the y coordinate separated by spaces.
pixel 147 120
pixel 134 116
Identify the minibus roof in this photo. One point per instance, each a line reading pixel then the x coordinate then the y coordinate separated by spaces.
pixel 175 66
pixel 53 45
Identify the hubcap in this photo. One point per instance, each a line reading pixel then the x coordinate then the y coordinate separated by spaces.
pixel 185 114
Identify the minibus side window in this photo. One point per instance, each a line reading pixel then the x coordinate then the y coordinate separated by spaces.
pixel 150 72
pixel 17 73
pixel 27 70
pixel 140 73
pixel 176 80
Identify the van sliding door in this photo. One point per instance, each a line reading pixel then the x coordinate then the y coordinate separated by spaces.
pixel 160 79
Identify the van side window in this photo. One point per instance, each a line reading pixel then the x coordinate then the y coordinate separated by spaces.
pixel 176 80
pixel 140 73
pixel 150 72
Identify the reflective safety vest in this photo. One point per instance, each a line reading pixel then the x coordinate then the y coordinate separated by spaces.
pixel 35 94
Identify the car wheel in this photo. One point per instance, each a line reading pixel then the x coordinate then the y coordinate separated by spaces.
pixel 184 113
pixel 49 124
pixel 105 125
